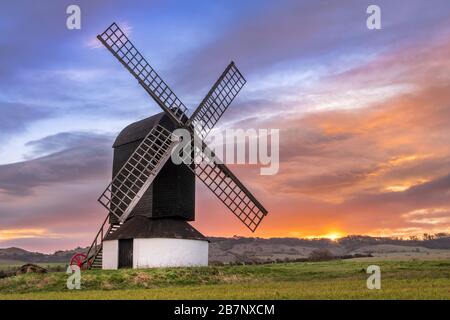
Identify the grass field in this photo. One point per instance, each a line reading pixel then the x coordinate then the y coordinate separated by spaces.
pixel 14 264
pixel 319 280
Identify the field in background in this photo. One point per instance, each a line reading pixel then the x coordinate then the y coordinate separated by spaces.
pixel 14 265
pixel 339 279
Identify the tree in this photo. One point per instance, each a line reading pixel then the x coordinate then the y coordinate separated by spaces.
pixel 321 255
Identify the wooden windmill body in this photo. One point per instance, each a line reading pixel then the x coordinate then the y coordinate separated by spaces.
pixel 151 200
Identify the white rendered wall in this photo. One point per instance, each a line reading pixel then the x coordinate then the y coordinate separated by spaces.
pixel 162 252
pixel 110 258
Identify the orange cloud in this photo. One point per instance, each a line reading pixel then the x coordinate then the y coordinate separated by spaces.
pixel 9 234
pixel 362 170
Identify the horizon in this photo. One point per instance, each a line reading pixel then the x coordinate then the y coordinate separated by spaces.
pixel 423 238
pixel 333 240
pixel 363 114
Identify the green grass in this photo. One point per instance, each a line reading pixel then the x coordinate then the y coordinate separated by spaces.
pixel 319 280
pixel 6 265
pixel 9 264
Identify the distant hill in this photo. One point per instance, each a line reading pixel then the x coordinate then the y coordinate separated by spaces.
pixel 246 250
pixel 18 254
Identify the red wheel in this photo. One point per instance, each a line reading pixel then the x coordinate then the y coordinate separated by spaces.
pixel 78 260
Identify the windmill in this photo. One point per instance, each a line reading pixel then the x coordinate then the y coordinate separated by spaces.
pixel 150 199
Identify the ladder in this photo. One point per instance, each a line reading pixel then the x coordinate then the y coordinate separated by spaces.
pixel 94 256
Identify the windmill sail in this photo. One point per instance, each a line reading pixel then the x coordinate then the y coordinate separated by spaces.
pixel 136 175
pixel 121 47
pixel 145 163
pixel 217 100
pixel 227 187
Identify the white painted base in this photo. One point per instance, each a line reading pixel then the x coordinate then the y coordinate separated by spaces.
pixel 110 258
pixel 159 252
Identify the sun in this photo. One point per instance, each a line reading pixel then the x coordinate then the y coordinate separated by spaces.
pixel 333 236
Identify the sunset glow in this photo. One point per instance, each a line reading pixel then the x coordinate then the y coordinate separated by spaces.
pixel 332 236
pixel 11 234
pixel 363 114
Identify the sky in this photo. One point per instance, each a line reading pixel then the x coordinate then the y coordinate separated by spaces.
pixel 363 114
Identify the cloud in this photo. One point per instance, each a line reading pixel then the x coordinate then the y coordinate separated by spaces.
pixel 429 216
pixel 363 115
pixel 23 234
pixel 293 31
pixel 17 116
pixel 69 140
pixel 49 201
pixel 78 156
pixel 360 166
